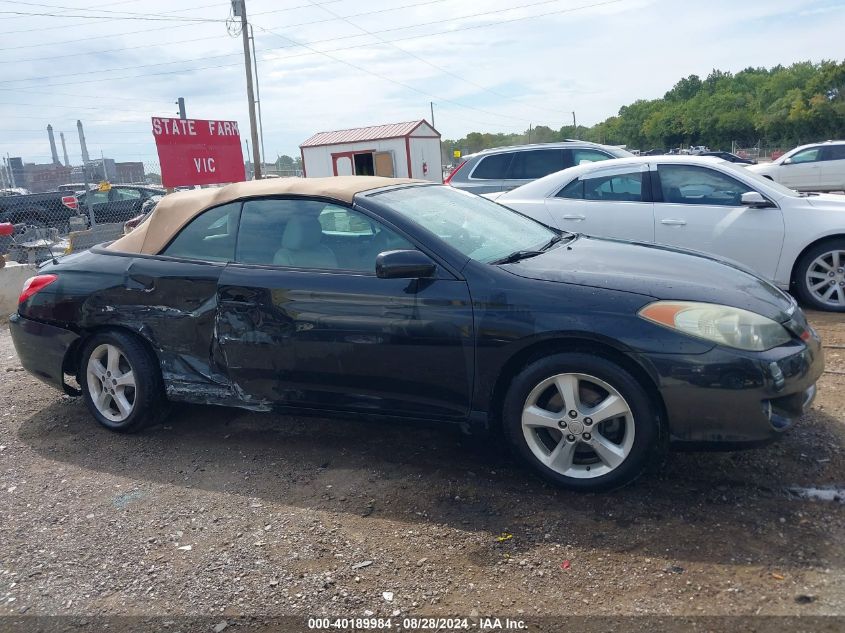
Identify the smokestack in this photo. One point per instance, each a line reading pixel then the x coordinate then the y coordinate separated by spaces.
pixel 53 145
pixel 64 148
pixel 85 158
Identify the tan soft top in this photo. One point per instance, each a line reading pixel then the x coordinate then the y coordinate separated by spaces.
pixel 175 210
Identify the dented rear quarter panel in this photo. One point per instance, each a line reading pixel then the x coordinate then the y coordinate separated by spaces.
pixel 170 303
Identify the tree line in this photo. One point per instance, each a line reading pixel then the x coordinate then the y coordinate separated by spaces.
pixel 778 107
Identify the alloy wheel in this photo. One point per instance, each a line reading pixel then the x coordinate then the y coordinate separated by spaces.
pixel 578 425
pixel 111 382
pixel 825 278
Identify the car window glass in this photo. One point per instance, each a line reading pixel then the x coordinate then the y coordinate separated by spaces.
pixel 809 155
pixel 588 156
pixel 99 197
pixel 475 226
pixel 492 167
pixel 210 236
pixel 689 184
pixel 835 152
pixel 340 221
pixel 574 190
pixel 301 233
pixel 618 187
pixel 533 164
pixel 127 194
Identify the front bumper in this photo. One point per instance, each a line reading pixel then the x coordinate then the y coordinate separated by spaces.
pixel 42 349
pixel 730 399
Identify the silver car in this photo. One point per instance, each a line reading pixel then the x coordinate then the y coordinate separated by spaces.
pixel 505 168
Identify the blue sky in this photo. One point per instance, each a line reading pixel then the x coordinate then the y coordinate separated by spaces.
pixel 490 65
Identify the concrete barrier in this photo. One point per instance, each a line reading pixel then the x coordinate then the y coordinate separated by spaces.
pixel 12 276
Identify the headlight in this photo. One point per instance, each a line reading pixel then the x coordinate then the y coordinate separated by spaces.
pixel 724 325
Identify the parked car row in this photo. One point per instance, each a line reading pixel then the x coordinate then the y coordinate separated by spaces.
pixel 54 209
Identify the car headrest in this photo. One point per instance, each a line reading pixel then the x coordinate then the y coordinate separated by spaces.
pixel 302 232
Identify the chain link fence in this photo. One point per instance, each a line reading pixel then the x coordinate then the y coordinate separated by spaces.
pixel 57 210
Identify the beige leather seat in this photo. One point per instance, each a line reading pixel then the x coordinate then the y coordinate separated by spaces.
pixel 302 247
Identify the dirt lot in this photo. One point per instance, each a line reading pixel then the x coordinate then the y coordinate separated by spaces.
pixel 225 512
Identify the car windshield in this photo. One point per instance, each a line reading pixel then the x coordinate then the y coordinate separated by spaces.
pixel 753 175
pixel 477 227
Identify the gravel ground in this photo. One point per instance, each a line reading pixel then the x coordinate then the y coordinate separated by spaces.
pixel 223 512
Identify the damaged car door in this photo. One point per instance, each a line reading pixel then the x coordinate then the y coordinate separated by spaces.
pixel 172 297
pixel 305 322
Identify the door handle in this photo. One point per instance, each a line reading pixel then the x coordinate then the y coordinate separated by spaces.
pixel 673 222
pixel 574 217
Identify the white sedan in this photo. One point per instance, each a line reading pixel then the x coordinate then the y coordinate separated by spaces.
pixel 796 240
pixel 814 167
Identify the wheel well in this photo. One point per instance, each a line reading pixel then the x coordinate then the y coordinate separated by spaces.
pixel 829 238
pixel 70 365
pixel 548 347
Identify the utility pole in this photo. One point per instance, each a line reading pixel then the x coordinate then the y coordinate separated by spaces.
pixel 181 103
pixel 431 103
pixel 239 9
pixel 257 93
pixel 574 126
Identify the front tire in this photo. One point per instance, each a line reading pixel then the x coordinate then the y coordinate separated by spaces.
pixel 820 276
pixel 580 421
pixel 121 382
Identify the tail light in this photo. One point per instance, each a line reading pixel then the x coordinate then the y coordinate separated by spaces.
pixel 71 202
pixel 35 284
pixel 453 172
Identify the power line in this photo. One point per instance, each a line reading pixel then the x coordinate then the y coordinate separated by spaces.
pixel 113 35
pixel 99 17
pixel 393 81
pixel 445 71
pixel 326 53
pixel 103 19
pixel 217 37
pixel 100 10
pixel 65 94
pixel 294 44
pixel 92 8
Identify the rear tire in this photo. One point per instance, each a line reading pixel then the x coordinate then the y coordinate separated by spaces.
pixel 820 265
pixel 581 422
pixel 121 382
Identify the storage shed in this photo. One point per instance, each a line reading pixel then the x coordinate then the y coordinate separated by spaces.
pixel 395 150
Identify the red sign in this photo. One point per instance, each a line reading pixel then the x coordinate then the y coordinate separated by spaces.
pixel 198 152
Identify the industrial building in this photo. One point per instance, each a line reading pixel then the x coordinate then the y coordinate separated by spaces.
pixel 39 177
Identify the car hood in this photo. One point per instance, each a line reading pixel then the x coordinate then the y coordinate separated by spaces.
pixel 762 167
pixel 827 200
pixel 656 271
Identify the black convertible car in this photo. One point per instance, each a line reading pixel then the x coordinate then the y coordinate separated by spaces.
pixel 389 297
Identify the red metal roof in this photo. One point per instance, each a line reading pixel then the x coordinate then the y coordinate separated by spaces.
pixel 372 133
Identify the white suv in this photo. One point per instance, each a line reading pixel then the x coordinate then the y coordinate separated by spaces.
pixel 815 167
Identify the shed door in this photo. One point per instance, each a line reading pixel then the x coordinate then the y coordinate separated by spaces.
pixel 343 165
pixel 384 164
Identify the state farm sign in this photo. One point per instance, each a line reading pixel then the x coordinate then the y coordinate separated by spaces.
pixel 198 152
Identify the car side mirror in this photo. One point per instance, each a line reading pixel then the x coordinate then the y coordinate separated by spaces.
pixel 409 264
pixel 755 200
pixel 787 161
